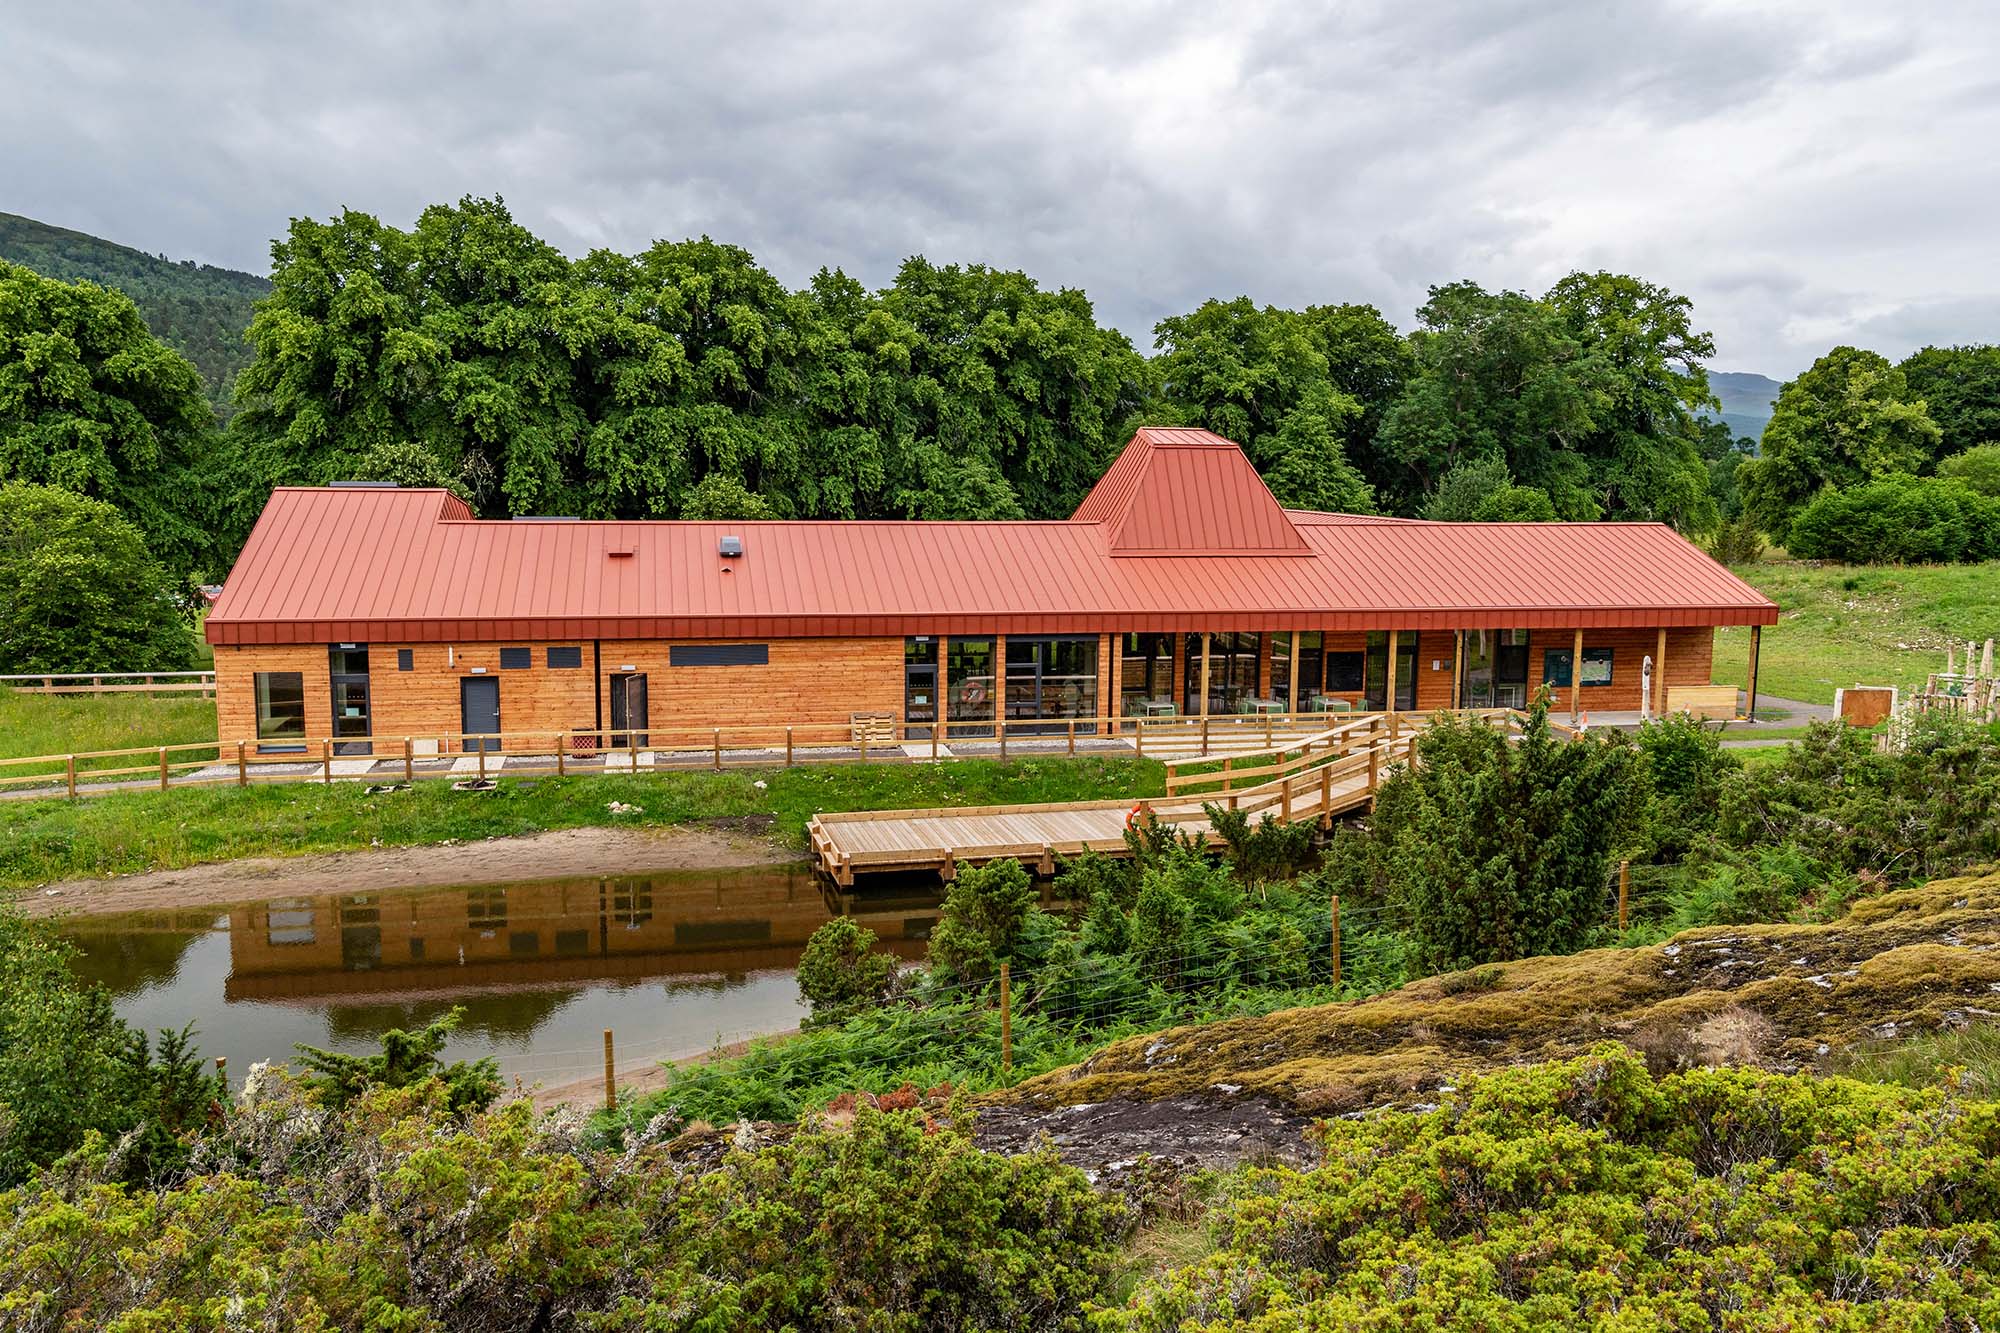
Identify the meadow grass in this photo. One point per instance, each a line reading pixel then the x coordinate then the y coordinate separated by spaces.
pixel 124 832
pixel 1842 625
pixel 55 724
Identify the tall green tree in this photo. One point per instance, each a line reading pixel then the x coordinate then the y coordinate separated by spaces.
pixel 1960 389
pixel 1849 419
pixel 94 404
pixel 1496 377
pixel 1262 377
pixel 1004 374
pixel 1588 395
pixel 1642 360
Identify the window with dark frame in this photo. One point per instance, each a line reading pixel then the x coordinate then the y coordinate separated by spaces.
pixel 406 659
pixel 281 709
pixel 565 658
pixel 516 659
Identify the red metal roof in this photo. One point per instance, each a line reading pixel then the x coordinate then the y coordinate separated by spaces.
pixel 1179 491
pixel 382 565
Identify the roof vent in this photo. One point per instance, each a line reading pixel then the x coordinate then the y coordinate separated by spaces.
pixel 363 485
pixel 730 547
pixel 546 518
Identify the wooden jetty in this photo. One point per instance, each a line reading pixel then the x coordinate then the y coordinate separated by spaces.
pixel 1317 777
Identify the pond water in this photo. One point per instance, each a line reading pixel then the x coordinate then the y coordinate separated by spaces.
pixel 671 963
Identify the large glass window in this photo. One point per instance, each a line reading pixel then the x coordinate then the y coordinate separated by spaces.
pixel 1049 678
pixel 281 709
pixel 1377 668
pixel 920 680
pixel 968 683
pixel 1232 672
pixel 1281 666
pixel 1146 674
pixel 1496 668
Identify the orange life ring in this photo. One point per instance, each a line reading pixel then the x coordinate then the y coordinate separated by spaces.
pixel 1132 816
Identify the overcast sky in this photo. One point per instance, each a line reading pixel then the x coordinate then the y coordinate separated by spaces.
pixel 1807 174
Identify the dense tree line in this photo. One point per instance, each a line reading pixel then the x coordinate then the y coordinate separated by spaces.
pixel 688 381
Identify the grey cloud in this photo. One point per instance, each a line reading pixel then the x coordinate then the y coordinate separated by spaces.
pixel 1797 169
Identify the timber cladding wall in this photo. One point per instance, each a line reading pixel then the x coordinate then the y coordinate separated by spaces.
pixel 817 683
pixel 803 681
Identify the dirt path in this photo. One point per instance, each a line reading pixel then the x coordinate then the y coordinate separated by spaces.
pixel 565 853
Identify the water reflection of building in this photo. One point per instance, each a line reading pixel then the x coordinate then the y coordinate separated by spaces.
pixel 550 933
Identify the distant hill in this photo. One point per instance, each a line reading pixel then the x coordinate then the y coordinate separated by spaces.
pixel 1746 399
pixel 197 309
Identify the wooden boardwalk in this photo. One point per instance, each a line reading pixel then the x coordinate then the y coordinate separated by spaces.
pixel 1322 777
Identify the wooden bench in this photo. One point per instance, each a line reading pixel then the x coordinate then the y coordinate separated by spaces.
pixel 1702 700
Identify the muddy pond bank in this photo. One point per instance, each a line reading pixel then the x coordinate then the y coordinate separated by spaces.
pixel 563 853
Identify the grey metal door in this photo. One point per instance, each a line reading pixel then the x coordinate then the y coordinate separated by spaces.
pixel 479 711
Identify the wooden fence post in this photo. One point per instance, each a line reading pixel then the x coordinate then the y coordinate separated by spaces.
pixel 242 766
pixel 610 1076
pixel 562 754
pixel 864 742
pixel 632 750
pixel 1072 736
pixel 1139 737
pixel 937 725
pixel 1374 768
pixel 788 747
pixel 1326 796
pixel 1006 1021
pixel 69 773
pixel 163 768
pixel 1624 891
pixel 1204 731
pixel 1285 799
pixel 409 760
pixel 482 760
pixel 1335 918
pixel 718 749
pixel 1000 726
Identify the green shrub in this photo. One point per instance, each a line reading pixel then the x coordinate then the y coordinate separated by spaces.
pixel 1589 1194
pixel 1495 850
pixel 1899 520
pixel 1978 467
pixel 80 592
pixel 839 973
pixel 984 912
pixel 405 1060
pixel 393 1213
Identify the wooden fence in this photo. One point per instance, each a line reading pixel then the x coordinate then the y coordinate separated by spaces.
pixel 1265 742
pixel 114 682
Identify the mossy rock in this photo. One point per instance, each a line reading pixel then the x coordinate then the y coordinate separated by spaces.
pixel 1782 997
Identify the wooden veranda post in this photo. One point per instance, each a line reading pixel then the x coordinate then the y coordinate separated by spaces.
pixel 1576 678
pixel 1006 1021
pixel 1205 638
pixel 1458 669
pixel 1335 916
pixel 1292 675
pixel 610 1075
pixel 1756 644
pixel 1389 689
pixel 1660 675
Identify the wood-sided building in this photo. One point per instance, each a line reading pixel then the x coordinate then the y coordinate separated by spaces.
pixel 363 612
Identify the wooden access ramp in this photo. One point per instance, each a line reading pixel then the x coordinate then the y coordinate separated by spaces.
pixel 1320 777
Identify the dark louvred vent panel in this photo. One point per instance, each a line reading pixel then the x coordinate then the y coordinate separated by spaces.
pixel 719 654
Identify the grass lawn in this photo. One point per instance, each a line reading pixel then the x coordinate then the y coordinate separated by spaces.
pixel 1843 625
pixel 43 840
pixel 36 724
